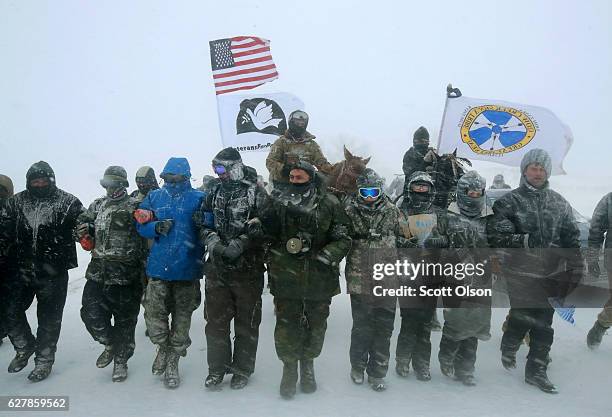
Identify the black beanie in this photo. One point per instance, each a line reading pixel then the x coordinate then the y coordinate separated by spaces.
pixel 421 135
pixel 228 154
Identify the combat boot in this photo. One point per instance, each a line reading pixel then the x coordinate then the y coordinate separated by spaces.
pixel 20 361
pixel 508 359
pixel 595 335
pixel 105 357
pixel 41 371
pixel 289 379
pixel 308 384
pixel 120 371
pixel 422 373
pixel 377 384
pixel 467 380
pixel 159 364
pixel 535 374
pixel 402 367
pixel 357 376
pixel 171 376
pixel 213 381
pixel 239 381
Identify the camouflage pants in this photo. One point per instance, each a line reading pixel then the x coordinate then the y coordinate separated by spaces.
pixel 605 316
pixel 222 305
pixel 414 339
pixel 50 291
pixel 121 303
pixel 300 328
pixel 536 321
pixel 178 299
pixel 371 335
pixel 460 354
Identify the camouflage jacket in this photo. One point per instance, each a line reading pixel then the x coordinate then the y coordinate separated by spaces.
pixel 231 209
pixel 375 233
pixel 313 275
pixel 600 225
pixel 119 251
pixel 286 147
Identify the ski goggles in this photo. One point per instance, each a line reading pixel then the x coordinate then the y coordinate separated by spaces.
pixel 373 192
pixel 219 169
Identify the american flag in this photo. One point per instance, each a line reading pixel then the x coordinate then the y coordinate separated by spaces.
pixel 241 63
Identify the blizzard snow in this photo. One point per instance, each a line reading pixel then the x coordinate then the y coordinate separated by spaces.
pixel 583 377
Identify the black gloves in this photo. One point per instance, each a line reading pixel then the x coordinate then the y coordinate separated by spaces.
pixel 163 227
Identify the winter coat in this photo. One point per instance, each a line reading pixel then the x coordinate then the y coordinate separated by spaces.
pixel 306 275
pixel 232 206
pixel 177 256
pixel 118 252
pixel 600 225
pixel 546 219
pixel 307 150
pixel 7 234
pixel 376 232
pixel 471 319
pixel 413 161
pixel 44 227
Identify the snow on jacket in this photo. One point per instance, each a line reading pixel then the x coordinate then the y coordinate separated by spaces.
pixel 177 256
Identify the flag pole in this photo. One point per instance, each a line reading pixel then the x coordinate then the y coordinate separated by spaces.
pixel 450 93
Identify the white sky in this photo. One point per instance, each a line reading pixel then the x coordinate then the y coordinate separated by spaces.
pixel 87 84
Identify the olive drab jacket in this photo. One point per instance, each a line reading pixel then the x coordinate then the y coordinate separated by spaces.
pixel 119 251
pixel 313 274
pixel 286 148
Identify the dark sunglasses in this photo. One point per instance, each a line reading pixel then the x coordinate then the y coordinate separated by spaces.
pixel 366 192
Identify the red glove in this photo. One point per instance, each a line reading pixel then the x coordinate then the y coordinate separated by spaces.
pixel 87 243
pixel 143 216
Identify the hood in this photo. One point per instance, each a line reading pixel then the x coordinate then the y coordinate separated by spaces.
pixel 40 169
pixel 177 166
pixel 6 183
pixel 146 172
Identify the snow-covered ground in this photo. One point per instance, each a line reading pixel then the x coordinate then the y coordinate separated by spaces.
pixel 583 377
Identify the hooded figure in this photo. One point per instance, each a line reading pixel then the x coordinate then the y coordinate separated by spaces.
pixel 234 269
pixel 6 242
pixel 45 220
pixel 297 144
pixel 145 181
pixel 414 158
pixel 534 217
pixel 112 293
pixel 174 266
pixel 499 183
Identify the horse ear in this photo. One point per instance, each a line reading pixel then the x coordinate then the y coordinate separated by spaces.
pixel 365 161
pixel 455 152
pixel 347 154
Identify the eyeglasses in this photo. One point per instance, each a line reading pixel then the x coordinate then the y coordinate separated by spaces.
pixel 420 188
pixel 372 192
pixel 219 169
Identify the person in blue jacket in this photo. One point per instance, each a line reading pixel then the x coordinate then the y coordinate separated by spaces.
pixel 174 266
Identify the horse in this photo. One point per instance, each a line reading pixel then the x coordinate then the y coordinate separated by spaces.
pixel 342 177
pixel 447 170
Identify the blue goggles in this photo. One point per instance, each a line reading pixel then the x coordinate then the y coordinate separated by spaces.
pixel 373 192
pixel 219 169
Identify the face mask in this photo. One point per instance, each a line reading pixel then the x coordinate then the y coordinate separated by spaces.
pixel 115 193
pixel 41 192
pixel 470 206
pixel 420 201
pixel 421 147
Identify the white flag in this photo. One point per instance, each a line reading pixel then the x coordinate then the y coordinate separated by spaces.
pixel 502 132
pixel 252 122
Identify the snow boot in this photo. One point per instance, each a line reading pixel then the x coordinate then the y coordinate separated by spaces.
pixel 239 381
pixel 467 380
pixel 159 364
pixel 402 367
pixel 171 376
pixel 357 376
pixel 595 335
pixel 508 359
pixel 41 371
pixel 377 384
pixel 105 357
pixel 213 381
pixel 535 374
pixel 19 362
pixel 308 384
pixel 422 373
pixel 120 371
pixel 289 379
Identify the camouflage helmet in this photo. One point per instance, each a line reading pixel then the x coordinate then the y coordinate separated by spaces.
pixel 114 177
pixel 471 181
pixel 369 178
